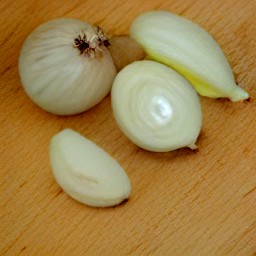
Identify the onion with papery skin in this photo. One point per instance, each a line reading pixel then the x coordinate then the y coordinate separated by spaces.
pixel 125 50
pixel 189 49
pixel 156 107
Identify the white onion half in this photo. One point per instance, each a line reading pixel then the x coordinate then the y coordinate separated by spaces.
pixel 56 76
pixel 156 107
pixel 189 49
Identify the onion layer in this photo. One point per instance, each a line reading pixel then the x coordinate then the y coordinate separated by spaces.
pixel 86 172
pixel 189 49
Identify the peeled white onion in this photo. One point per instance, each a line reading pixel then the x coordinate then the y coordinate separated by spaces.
pixel 86 172
pixel 189 49
pixel 156 107
pixel 60 78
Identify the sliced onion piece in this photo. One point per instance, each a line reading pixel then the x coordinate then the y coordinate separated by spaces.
pixel 86 172
pixel 189 49
pixel 156 107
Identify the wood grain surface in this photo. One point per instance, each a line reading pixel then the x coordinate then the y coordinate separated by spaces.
pixel 182 202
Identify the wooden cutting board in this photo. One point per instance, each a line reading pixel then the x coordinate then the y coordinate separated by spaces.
pixel 182 202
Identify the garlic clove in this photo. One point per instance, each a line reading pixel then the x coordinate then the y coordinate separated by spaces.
pixel 156 107
pixel 190 50
pixel 86 172
pixel 64 66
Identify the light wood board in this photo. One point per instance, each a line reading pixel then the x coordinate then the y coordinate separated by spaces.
pixel 182 203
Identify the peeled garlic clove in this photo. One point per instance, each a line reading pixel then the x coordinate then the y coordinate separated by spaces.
pixel 156 107
pixel 86 172
pixel 189 49
pixel 65 67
